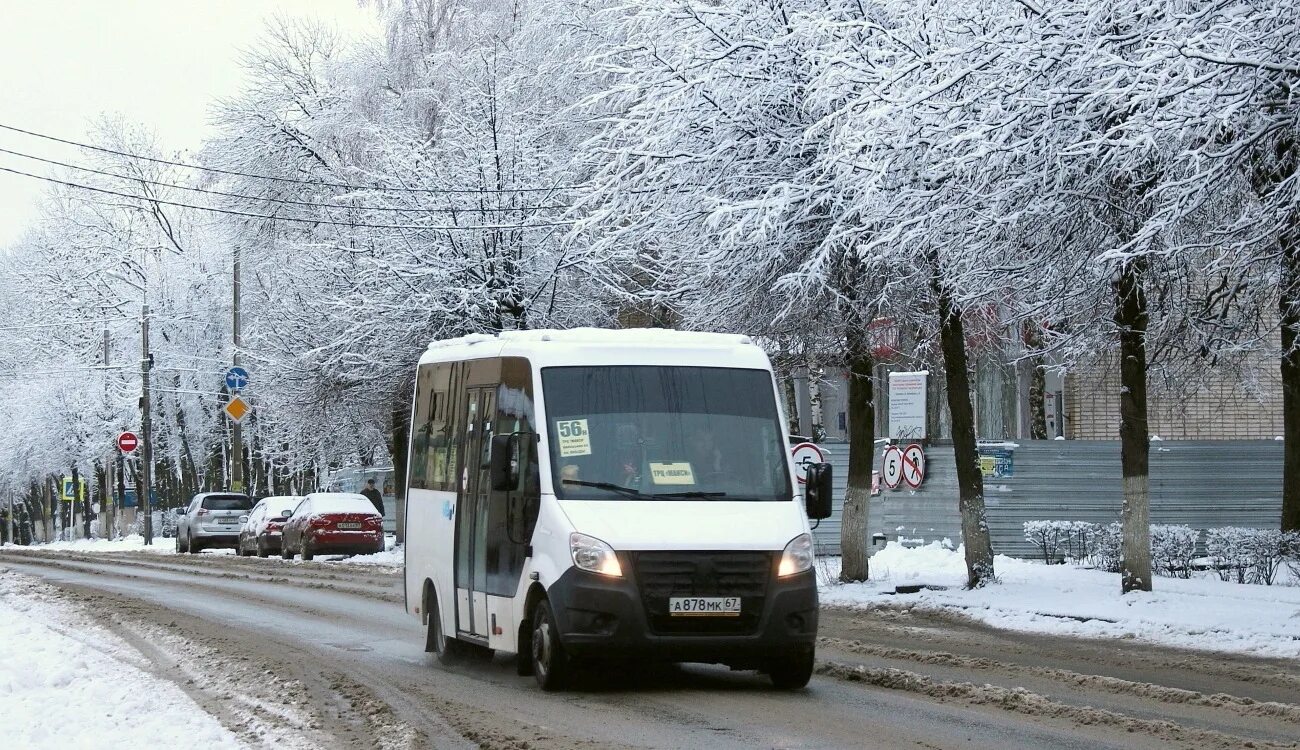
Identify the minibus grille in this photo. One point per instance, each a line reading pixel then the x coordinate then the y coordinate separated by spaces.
pixel 661 575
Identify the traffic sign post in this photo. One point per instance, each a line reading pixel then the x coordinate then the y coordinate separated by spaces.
pixel 127 442
pixel 236 379
pixel 891 467
pixel 236 409
pixel 805 455
pixel 914 465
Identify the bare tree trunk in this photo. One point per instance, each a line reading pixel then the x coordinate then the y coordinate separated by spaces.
pixel 1037 385
pixel 970 481
pixel 818 433
pixel 1270 170
pixel 398 445
pixel 1131 319
pixel 862 454
pixel 1289 305
pixel 791 400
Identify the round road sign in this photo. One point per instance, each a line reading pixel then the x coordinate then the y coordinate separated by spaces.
pixel 127 442
pixel 914 465
pixel 805 455
pixel 891 467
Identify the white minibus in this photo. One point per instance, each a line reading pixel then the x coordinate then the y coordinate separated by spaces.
pixel 594 496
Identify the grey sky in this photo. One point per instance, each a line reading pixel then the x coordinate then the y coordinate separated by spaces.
pixel 156 62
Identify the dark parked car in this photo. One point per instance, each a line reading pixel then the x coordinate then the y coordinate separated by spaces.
pixel 333 523
pixel 260 534
pixel 212 520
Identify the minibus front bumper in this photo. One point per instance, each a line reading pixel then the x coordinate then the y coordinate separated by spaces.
pixel 600 617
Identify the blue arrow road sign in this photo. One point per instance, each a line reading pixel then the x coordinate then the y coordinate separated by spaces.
pixel 236 378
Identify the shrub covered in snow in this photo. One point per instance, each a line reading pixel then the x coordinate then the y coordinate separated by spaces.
pixel 1073 540
pixel 1106 546
pixel 1047 536
pixel 1173 548
pixel 1236 554
pixel 1227 549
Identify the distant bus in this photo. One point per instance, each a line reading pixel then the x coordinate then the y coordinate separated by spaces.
pixel 587 495
pixel 354 480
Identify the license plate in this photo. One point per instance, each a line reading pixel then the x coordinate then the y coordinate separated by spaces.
pixel 227 520
pixel 348 525
pixel 704 606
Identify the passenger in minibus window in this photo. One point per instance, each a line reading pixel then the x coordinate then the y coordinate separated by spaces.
pixel 703 453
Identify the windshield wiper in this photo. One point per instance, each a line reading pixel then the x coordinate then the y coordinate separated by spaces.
pixel 628 491
pixel 692 494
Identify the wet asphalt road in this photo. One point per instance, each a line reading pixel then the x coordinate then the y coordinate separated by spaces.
pixel 330 643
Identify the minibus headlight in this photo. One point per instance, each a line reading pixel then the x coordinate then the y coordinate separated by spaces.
pixel 797 557
pixel 589 553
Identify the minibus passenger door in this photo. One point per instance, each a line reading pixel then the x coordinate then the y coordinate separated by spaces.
pixel 471 517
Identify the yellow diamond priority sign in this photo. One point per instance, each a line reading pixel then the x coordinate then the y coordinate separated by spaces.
pixel 237 408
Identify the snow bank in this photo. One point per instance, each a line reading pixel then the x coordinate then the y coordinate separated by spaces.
pixel 393 556
pixel 1201 613
pixel 66 683
pixel 133 543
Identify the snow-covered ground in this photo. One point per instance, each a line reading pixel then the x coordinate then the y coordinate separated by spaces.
pixel 67 683
pixel 1201 613
pixel 391 556
pixel 133 543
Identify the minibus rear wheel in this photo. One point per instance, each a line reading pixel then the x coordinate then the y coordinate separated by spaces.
pixel 792 672
pixel 551 666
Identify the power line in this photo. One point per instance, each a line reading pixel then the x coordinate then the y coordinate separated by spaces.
pixel 285 201
pixel 346 186
pixel 60 324
pixel 298 219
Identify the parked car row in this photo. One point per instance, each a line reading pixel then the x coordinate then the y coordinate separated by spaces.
pixel 330 523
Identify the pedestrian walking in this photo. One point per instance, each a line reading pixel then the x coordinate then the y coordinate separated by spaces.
pixel 374 496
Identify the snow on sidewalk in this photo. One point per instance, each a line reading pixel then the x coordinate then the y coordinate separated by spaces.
pixel 132 543
pixel 1201 613
pixel 67 683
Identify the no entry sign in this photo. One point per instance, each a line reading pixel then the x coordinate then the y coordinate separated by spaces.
pixel 127 442
pixel 913 465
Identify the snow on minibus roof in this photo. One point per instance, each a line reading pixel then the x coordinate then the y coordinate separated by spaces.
pixel 608 336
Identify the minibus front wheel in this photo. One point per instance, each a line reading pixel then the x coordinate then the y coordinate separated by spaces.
pixel 794 671
pixel 446 650
pixel 551 665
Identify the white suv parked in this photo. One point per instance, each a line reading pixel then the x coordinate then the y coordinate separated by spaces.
pixel 213 519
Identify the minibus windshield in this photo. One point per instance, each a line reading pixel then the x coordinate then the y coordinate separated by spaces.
pixel 664 433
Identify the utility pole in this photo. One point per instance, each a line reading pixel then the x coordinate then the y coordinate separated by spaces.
pixel 80 498
pixel 107 509
pixel 236 431
pixel 146 426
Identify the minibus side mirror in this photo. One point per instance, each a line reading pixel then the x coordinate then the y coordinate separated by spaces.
pixel 817 491
pixel 504 468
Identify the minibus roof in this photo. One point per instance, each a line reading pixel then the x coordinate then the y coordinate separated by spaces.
pixel 577 345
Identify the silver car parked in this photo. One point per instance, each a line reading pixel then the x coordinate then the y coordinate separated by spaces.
pixel 213 519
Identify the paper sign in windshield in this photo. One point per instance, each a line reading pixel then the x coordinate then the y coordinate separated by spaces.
pixel 679 473
pixel 575 440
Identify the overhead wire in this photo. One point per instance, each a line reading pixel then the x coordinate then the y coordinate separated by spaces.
pixel 296 219
pixel 273 178
pixel 284 201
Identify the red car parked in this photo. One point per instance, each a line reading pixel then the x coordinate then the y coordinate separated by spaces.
pixel 332 523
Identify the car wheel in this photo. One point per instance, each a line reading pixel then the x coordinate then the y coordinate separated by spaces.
pixel 305 551
pixel 551 666
pixel 181 546
pixel 286 552
pixel 446 650
pixel 261 549
pixel 194 547
pixel 792 672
